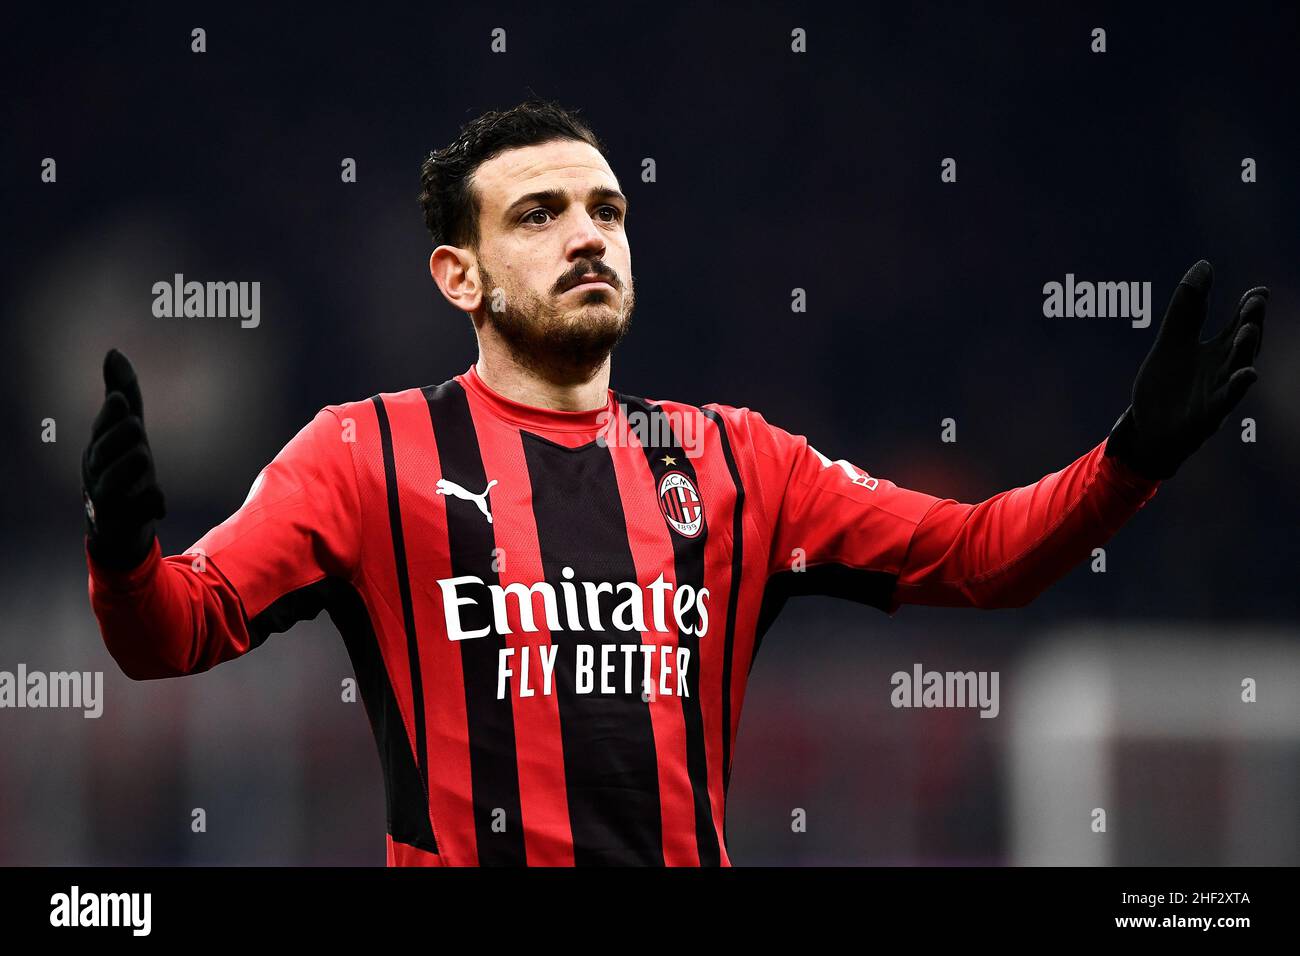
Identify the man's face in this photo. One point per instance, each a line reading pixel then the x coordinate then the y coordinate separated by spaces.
pixel 548 216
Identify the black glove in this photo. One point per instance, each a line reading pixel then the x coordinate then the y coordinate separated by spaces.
pixel 1185 387
pixel 118 485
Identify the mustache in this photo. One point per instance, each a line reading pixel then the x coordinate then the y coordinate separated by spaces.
pixel 599 269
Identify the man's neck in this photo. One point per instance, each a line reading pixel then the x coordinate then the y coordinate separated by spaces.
pixel 507 377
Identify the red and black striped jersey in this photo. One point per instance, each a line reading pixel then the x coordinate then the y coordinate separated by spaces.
pixel 552 615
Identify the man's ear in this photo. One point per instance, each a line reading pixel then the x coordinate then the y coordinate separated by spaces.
pixel 455 270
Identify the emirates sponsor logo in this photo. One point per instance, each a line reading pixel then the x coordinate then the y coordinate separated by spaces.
pixel 575 606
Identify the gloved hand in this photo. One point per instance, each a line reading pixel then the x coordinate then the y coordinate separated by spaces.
pixel 1185 387
pixel 119 488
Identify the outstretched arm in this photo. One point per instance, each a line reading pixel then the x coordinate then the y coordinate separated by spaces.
pixel 867 539
pixel 169 616
pixel 1007 550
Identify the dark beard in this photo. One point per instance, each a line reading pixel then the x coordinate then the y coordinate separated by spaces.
pixel 555 347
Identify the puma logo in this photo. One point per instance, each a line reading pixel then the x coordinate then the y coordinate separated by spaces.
pixel 445 487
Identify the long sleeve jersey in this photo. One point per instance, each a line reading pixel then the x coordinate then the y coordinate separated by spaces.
pixel 552 615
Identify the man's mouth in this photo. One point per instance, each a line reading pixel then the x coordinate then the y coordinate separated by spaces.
pixel 591 281
pixel 592 284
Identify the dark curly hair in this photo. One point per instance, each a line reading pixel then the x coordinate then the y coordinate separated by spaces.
pixel 451 207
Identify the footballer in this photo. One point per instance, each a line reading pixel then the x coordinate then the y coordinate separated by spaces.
pixel 552 592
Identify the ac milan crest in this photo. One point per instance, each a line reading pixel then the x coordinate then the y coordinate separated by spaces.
pixel 680 502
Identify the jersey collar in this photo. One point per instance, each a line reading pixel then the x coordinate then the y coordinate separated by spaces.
pixel 533 416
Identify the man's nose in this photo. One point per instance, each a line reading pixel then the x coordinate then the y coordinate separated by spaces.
pixel 588 239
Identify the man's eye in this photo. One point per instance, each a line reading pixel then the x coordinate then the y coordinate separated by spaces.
pixel 528 216
pixel 617 213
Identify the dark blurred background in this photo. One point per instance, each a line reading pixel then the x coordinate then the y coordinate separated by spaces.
pixel 775 170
